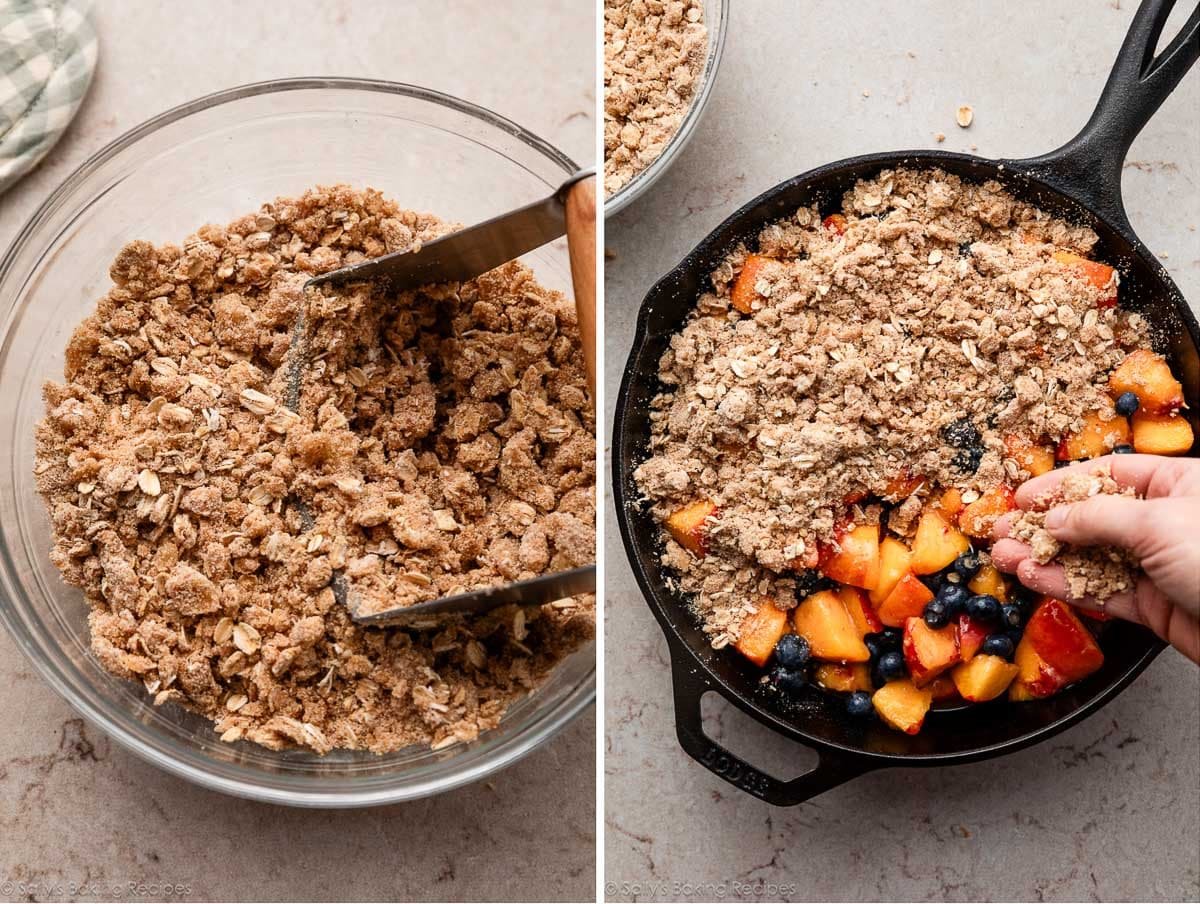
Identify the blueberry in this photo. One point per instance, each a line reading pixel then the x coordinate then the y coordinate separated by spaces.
pixel 792 651
pixel 1014 634
pixel 1122 449
pixel 892 638
pixel 967 565
pixel 962 433
pixel 984 607
pixel 932 581
pixel 936 615
pixel 997 645
pixel 1127 403
pixel 967 460
pixel 859 704
pixel 787 681
pixel 1024 598
pixel 954 597
pixel 1010 615
pixel 809 582
pixel 891 666
pixel 875 646
pixel 877 680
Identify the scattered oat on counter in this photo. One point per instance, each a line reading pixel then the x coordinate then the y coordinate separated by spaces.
pixel 204 500
pixel 964 116
pixel 936 310
pixel 1098 572
pixel 654 53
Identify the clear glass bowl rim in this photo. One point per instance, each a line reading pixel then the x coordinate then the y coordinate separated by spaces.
pixel 539 727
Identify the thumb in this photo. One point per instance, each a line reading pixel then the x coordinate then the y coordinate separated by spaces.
pixel 1100 521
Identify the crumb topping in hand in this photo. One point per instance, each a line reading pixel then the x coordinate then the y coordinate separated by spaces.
pixel 1098 572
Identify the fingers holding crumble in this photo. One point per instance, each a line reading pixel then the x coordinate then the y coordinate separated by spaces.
pixel 1078 528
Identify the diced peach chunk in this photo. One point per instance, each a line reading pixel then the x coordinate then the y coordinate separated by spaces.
pixel 1100 432
pixel 902 485
pixel 893 565
pixel 835 222
pixel 928 651
pixel 1098 274
pixel 1162 434
pixel 988 580
pixel 908 598
pixel 688 526
pixel 844 677
pixel 1149 376
pixel 1034 678
pixel 951 504
pixel 854 496
pixel 822 619
pixel 761 631
pixel 744 294
pixel 983 678
pixel 942 687
pixel 1036 458
pixel 854 559
pixel 1056 650
pixel 978 518
pixel 903 705
pixel 1062 640
pixel 936 544
pixel 971 635
pixel 862 613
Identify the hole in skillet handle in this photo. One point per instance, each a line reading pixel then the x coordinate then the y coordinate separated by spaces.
pixel 690 686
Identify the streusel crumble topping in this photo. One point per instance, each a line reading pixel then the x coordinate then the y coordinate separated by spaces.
pixel 908 338
pixel 430 442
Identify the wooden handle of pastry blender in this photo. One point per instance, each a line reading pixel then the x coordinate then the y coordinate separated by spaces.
pixel 581 244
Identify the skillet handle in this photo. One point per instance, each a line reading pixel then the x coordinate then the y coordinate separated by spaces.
pixel 1089 165
pixel 828 773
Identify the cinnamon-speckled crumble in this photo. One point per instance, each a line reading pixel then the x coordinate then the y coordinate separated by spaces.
pixel 936 301
pixel 206 485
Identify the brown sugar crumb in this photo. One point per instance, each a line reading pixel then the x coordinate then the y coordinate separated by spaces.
pixel 1098 572
pixel 654 52
pixel 227 446
pixel 936 311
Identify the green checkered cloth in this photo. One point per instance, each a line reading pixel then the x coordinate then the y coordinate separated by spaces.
pixel 47 56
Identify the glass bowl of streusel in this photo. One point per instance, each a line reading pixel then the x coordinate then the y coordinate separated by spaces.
pixel 178 502
pixel 659 69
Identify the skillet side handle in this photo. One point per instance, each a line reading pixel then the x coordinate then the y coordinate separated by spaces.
pixel 1089 165
pixel 828 773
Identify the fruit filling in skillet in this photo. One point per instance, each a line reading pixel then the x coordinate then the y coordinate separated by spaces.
pixel 847 414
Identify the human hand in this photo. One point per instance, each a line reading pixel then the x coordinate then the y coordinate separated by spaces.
pixel 1160 529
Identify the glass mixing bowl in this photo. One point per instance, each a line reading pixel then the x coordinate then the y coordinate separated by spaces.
pixel 210 161
pixel 716 17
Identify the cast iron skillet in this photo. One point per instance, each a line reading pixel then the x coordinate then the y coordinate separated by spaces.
pixel 1081 181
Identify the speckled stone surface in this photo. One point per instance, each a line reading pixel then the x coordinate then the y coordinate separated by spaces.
pixel 74 807
pixel 1109 810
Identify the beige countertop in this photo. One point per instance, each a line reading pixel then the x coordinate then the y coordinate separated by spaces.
pixel 1109 810
pixel 77 809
